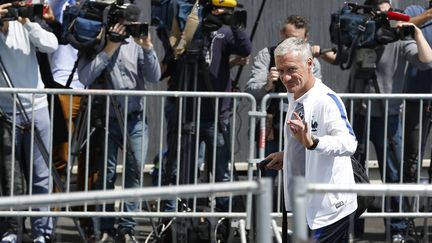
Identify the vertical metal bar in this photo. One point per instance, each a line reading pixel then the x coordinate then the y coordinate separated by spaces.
pixel 50 146
pixel 161 135
pixel 419 152
pixel 197 148
pixel 402 130
pixel 298 201
pixel 215 139
pixel 14 120
pixel 143 153
pixel 105 162
pixel 69 162
pixel 252 123
pixel 125 145
pixel 87 158
pixel 385 146
pixel 264 203
pixel 232 150
pixel 179 138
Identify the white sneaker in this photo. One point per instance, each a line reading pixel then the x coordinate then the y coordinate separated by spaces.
pixel 106 238
pixel 9 238
pixel 130 238
pixel 39 239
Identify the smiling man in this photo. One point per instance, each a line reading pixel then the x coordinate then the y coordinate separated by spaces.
pixel 321 151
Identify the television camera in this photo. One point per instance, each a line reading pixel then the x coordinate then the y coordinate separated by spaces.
pixel 22 9
pixel 86 26
pixel 230 16
pixel 359 26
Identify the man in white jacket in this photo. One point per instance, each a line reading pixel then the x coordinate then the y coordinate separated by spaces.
pixel 19 40
pixel 318 142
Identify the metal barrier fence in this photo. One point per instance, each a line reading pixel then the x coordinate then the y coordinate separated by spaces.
pixel 421 176
pixel 300 232
pixel 90 138
pixel 81 144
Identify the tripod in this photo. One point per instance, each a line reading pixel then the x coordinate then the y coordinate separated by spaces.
pixel 37 139
pixel 98 130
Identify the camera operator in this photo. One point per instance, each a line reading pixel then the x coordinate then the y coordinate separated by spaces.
pixel 19 40
pixel 417 81
pixel 390 62
pixel 264 78
pixel 124 64
pixel 213 76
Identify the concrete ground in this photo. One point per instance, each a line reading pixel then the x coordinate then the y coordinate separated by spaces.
pixel 374 231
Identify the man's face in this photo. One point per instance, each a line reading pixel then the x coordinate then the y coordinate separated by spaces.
pixel 290 30
pixel 295 73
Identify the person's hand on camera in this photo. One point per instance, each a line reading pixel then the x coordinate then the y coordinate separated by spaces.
pixel 238 60
pixel 115 38
pixel 23 20
pixel 272 77
pixel 316 50
pixel 276 161
pixel 144 41
pixel 3 9
pixel 48 15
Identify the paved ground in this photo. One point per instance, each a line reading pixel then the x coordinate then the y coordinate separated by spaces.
pixel 374 231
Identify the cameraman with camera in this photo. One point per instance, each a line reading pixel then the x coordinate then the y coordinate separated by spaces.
pixel 381 69
pixel 19 39
pixel 125 63
pixel 417 81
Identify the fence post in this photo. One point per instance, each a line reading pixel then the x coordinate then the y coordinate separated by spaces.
pixel 264 209
pixel 298 199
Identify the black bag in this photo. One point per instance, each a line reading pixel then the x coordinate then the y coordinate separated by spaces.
pixel 360 176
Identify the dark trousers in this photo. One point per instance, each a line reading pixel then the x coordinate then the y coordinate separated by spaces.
pixel 17 186
pixel 337 232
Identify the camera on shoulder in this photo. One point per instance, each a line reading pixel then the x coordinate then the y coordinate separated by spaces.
pixel 22 9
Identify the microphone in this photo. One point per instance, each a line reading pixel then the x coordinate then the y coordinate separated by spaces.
pixel 392 15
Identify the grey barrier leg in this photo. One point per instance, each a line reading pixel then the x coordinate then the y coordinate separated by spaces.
pixel 276 231
pixel 298 198
pixel 264 208
pixel 242 227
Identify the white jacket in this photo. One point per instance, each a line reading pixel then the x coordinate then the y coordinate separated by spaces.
pixel 330 162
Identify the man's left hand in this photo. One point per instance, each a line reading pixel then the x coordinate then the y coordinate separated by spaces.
pixel 144 42
pixel 300 130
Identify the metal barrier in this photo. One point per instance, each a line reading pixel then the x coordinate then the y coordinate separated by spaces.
pixel 261 189
pixel 422 100
pixel 300 233
pixel 81 149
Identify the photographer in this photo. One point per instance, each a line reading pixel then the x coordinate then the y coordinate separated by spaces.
pixel 417 81
pixel 214 76
pixel 124 64
pixel 19 40
pixel 390 61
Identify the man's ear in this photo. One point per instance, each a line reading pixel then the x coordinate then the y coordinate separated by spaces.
pixel 309 62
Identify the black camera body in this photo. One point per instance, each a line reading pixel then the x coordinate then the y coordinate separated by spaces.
pixel 232 16
pixel 366 26
pixel 85 27
pixel 22 9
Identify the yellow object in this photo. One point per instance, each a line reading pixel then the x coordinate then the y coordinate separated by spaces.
pixel 224 3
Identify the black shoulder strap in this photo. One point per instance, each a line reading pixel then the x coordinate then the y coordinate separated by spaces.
pixel 272 56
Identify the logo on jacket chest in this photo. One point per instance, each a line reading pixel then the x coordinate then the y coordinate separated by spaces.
pixel 314 125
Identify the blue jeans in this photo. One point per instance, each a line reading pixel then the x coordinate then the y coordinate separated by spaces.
pixel 392 164
pixel 131 169
pixel 40 177
pixel 221 173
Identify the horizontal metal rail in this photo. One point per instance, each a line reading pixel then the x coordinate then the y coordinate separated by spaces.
pixel 96 197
